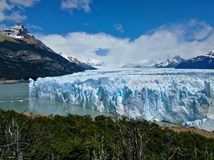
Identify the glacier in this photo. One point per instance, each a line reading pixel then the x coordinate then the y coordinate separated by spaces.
pixel 172 95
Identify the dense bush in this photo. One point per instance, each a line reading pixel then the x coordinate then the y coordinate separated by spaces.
pixel 81 137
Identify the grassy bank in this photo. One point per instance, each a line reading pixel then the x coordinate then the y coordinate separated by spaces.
pixel 80 137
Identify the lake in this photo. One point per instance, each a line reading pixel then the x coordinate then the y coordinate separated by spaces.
pixel 15 97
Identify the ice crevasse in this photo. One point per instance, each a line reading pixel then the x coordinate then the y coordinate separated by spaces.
pixel 171 95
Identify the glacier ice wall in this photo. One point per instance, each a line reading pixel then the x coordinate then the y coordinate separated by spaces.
pixel 171 95
pixel 205 124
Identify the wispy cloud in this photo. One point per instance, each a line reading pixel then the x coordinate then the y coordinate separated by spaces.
pixel 119 27
pixel 102 52
pixel 13 9
pixel 162 42
pixel 4 6
pixel 16 16
pixel 77 4
pixel 199 30
pixel 3 26
pixel 24 3
pixel 34 27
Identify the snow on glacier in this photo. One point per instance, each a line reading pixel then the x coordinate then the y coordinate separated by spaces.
pixel 176 96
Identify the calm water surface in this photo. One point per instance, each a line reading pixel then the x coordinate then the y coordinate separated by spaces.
pixel 15 97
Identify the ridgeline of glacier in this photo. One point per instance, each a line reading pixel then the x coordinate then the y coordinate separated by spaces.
pixel 174 95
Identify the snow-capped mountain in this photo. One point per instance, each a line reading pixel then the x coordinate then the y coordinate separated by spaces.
pixel 199 62
pixel 77 62
pixel 210 54
pixel 17 31
pixel 134 65
pixel 80 64
pixel 73 59
pixel 22 56
pixel 94 62
pixel 169 63
pixel 156 63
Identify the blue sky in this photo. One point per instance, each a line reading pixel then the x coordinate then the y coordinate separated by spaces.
pixel 115 21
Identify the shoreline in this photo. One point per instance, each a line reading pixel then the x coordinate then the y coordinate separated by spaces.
pixel 34 115
pixel 181 129
pixel 13 81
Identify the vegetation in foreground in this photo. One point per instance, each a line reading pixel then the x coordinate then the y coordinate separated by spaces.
pixel 81 137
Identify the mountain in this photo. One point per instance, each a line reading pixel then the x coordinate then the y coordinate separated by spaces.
pixel 134 65
pixel 169 63
pixel 80 64
pixel 156 63
pixel 199 62
pixel 94 62
pixel 22 56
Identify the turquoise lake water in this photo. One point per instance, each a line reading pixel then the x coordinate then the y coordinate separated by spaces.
pixel 15 97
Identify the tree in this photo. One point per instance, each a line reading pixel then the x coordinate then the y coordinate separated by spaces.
pixel 172 151
pixel 14 137
pixel 133 139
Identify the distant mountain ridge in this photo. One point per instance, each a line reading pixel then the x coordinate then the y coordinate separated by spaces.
pixel 94 62
pixel 169 63
pixel 199 62
pixel 22 56
pixel 156 63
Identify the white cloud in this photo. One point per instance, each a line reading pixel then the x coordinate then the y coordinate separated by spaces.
pixel 2 16
pixel 119 27
pixel 12 9
pixel 34 27
pixel 16 16
pixel 24 3
pixel 3 26
pixel 76 4
pixel 200 29
pixel 162 42
pixel 3 7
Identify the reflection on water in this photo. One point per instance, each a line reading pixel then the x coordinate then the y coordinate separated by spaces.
pixel 55 107
pixel 15 97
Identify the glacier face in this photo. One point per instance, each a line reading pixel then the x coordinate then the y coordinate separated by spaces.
pixel 176 96
pixel 205 124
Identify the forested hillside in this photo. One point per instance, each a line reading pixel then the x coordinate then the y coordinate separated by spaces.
pixel 80 137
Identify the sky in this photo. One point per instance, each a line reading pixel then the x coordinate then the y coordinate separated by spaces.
pixel 117 31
